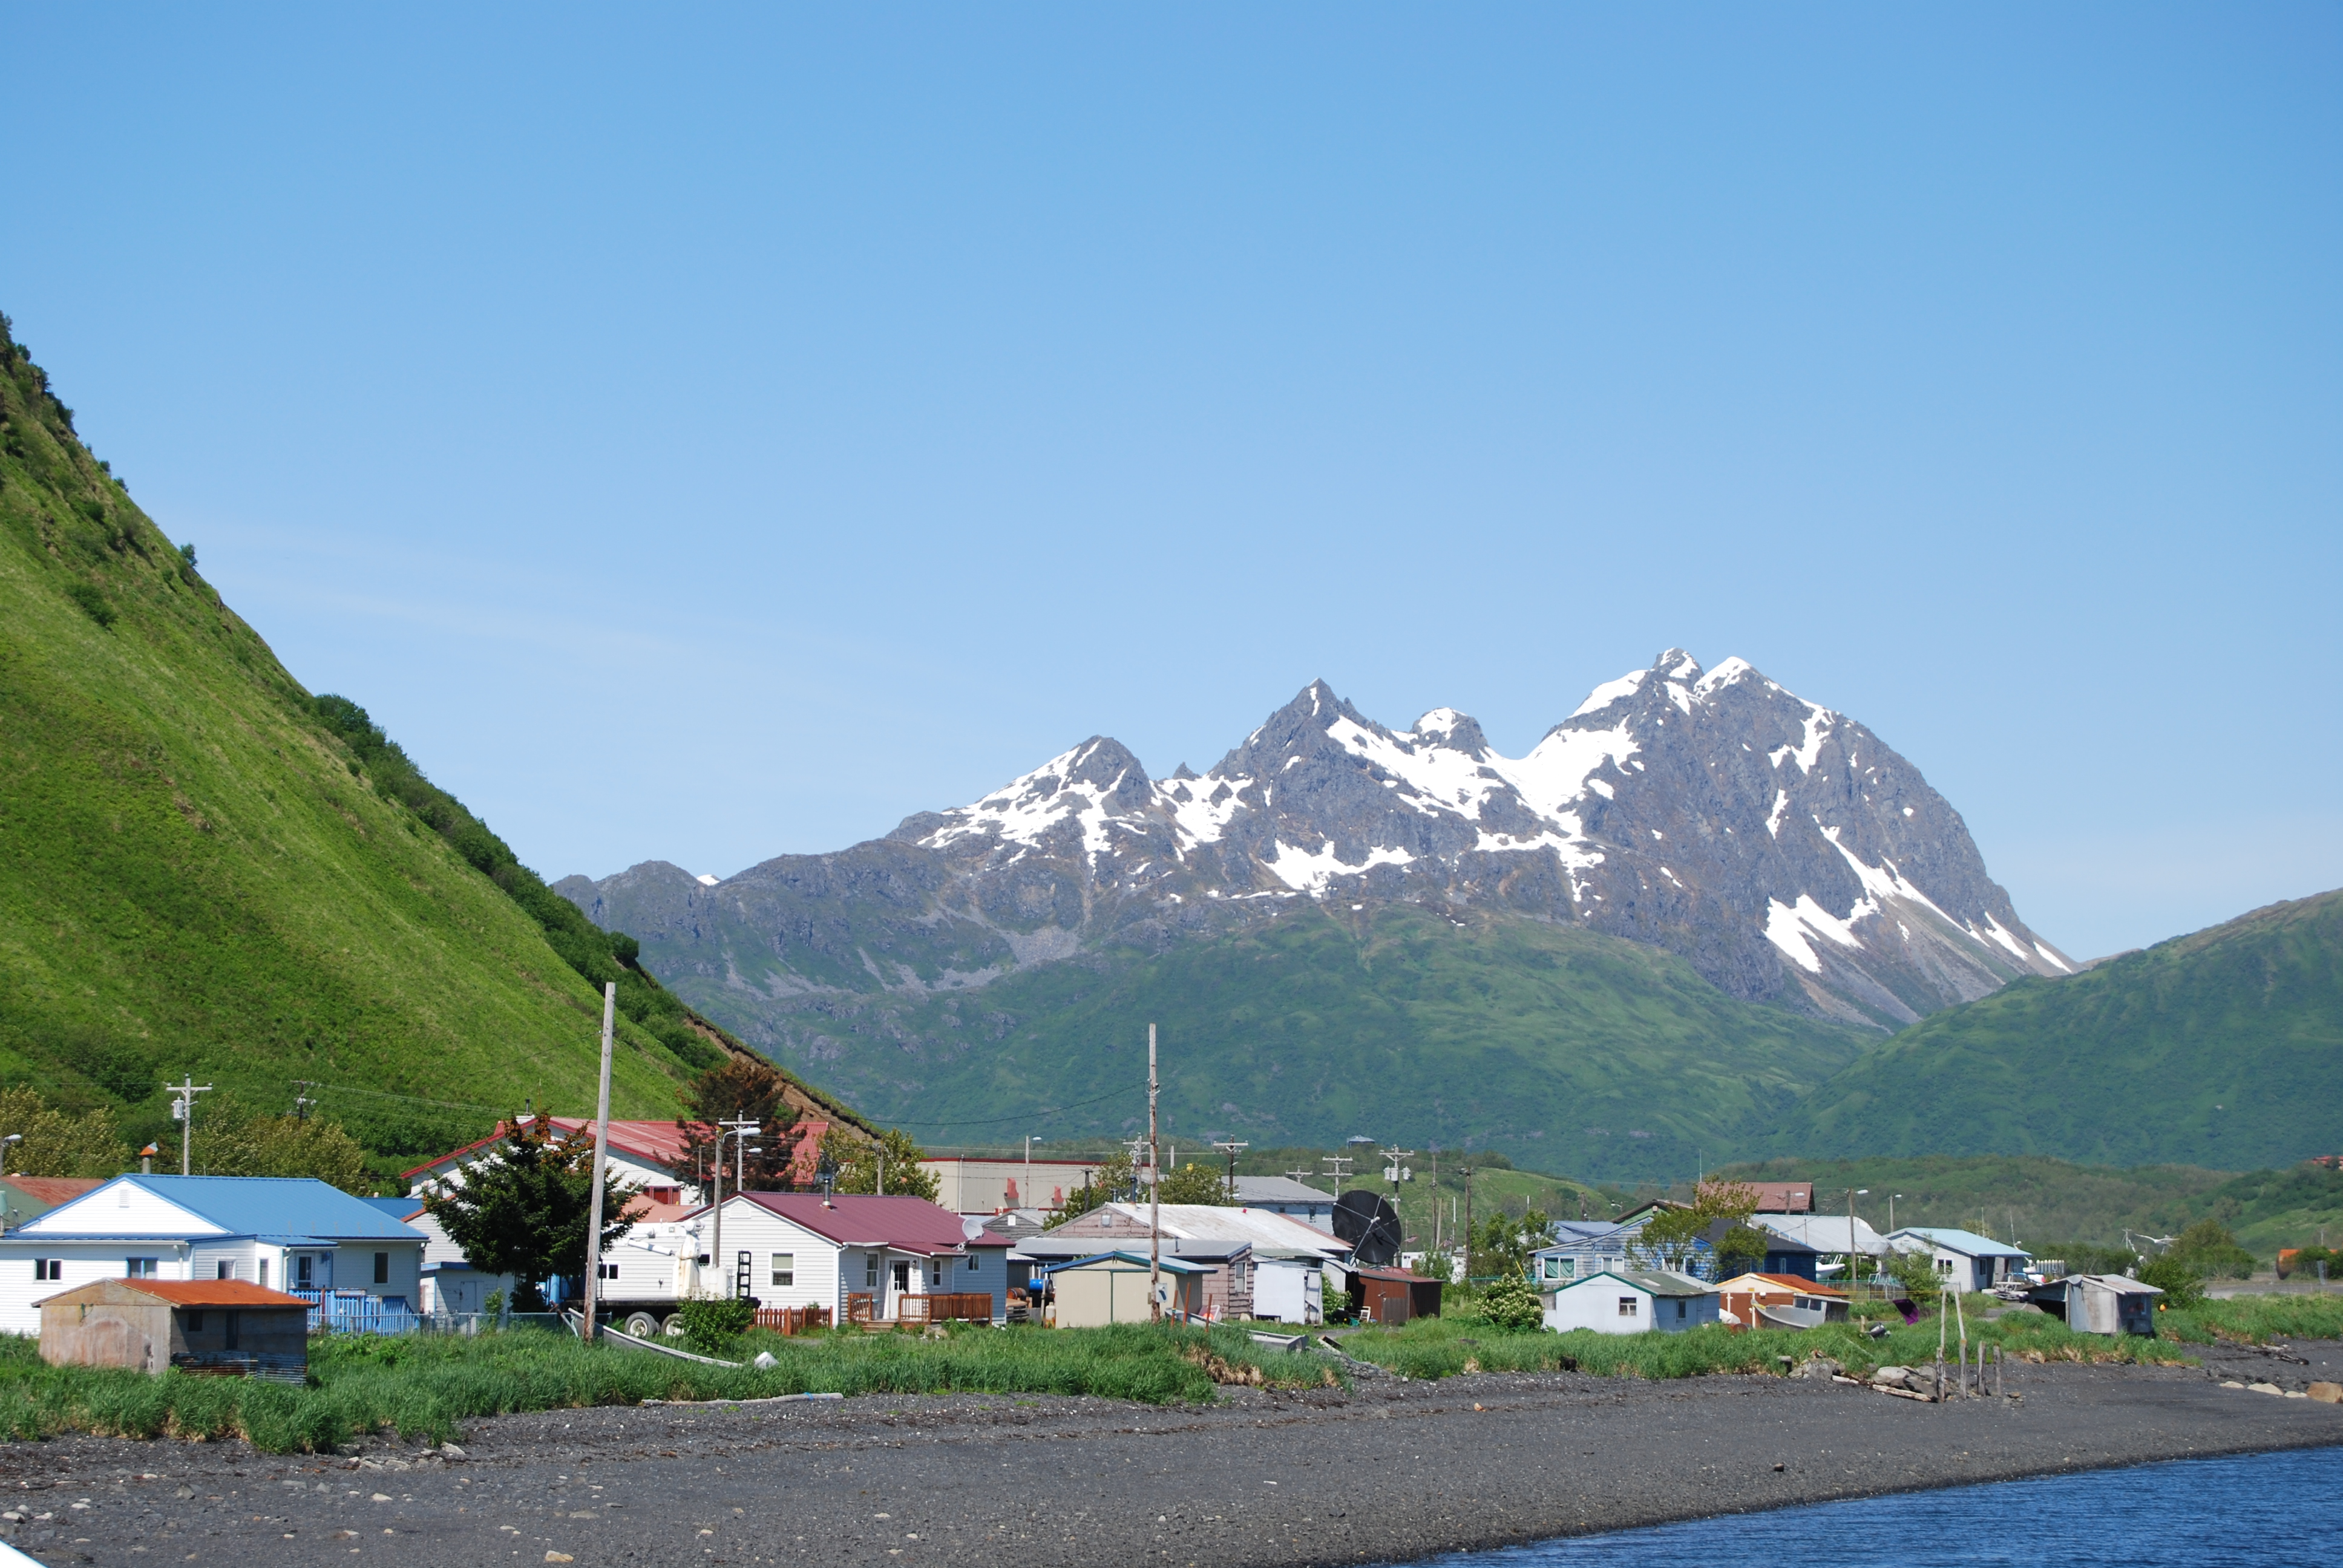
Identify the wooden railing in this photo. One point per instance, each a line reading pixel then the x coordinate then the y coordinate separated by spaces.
pixel 962 1306
pixel 792 1320
pixel 861 1307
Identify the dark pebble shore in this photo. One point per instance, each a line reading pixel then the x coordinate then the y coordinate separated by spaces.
pixel 1391 1471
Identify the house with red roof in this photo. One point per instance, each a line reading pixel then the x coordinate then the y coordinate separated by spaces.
pixel 860 1255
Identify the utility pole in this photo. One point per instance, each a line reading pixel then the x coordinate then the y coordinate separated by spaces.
pixel 1027 1193
pixel 1434 1151
pixel 733 1128
pixel 1852 1194
pixel 1468 1220
pixel 601 1159
pixel 1231 1149
pixel 183 1111
pixel 1154 1198
pixel 1392 1174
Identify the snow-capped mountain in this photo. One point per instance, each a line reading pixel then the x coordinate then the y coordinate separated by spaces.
pixel 1781 848
pixel 1775 843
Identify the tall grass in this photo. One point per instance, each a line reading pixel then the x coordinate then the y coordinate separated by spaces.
pixel 2258 1319
pixel 1442 1347
pixel 421 1388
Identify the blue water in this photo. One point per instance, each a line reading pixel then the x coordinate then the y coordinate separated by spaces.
pixel 2268 1510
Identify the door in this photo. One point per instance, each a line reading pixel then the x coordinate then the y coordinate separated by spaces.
pixel 902 1275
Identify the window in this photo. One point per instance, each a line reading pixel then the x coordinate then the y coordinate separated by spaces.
pixel 48 1268
pixel 263 1268
pixel 1552 1268
pixel 605 1271
pixel 139 1269
pixel 972 1261
pixel 1626 1306
pixel 303 1270
pixel 1680 1306
pixel 785 1269
pixel 226 1270
pixel 194 1321
pixel 382 1268
pixel 870 1271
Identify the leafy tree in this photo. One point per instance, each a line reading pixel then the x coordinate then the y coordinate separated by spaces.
pixel 1195 1183
pixel 1741 1250
pixel 2306 1260
pixel 858 1163
pixel 1111 1183
pixel 57 1144
pixel 232 1138
pixel 1676 1237
pixel 1915 1272
pixel 2210 1249
pixel 2176 1277
pixel 1502 1244
pixel 737 1089
pixel 524 1209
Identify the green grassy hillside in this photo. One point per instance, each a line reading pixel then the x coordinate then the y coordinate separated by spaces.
pixel 1568 1050
pixel 2222 1049
pixel 198 873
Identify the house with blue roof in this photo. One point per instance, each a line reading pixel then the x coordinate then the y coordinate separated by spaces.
pixel 288 1233
pixel 1965 1260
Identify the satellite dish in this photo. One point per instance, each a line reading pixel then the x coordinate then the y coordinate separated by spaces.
pixel 1369 1224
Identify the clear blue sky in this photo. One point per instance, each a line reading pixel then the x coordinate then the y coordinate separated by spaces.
pixel 704 434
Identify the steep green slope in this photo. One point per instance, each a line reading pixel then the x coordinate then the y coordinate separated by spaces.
pixel 197 874
pixel 1577 1051
pixel 2221 1049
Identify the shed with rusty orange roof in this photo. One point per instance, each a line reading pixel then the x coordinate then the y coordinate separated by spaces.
pixel 224 1328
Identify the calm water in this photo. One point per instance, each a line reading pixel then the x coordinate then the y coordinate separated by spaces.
pixel 2268 1510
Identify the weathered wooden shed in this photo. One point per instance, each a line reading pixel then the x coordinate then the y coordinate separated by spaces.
pixel 2100 1303
pixel 1392 1296
pixel 228 1328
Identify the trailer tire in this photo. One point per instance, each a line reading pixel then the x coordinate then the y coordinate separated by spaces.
pixel 674 1327
pixel 642 1325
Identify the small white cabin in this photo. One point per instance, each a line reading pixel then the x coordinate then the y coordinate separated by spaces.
pixel 1632 1302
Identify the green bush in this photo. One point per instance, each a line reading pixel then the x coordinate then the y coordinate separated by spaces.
pixel 2182 1285
pixel 712 1323
pixel 93 603
pixel 1511 1304
pixel 2210 1249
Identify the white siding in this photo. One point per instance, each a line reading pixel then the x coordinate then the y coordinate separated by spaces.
pixel 120 1209
pixel 1594 1304
pixel 82 1262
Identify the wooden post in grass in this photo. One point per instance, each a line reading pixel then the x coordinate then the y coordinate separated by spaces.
pixel 601 1158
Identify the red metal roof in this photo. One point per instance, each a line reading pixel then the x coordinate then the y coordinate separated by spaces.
pixel 55 1190
pixel 860 1219
pixel 212 1292
pixel 658 1142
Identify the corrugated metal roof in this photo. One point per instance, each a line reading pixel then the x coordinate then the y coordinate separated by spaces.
pixel 1278 1190
pixel 863 1218
pixel 1967 1242
pixel 1652 1281
pixel 265 1206
pixel 1169 1265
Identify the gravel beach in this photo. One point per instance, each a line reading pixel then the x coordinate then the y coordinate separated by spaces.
pixel 1391 1471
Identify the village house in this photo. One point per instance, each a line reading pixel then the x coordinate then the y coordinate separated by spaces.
pixel 1284 1195
pixel 857 1254
pixel 1632 1302
pixel 1226 1241
pixel 649 1156
pixel 280 1232
pixel 23 1197
pixel 1761 1300
pixel 1965 1260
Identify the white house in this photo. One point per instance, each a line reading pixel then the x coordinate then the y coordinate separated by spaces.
pixel 803 1250
pixel 1632 1302
pixel 1965 1260
pixel 288 1233
pixel 1289 1287
pixel 649 1156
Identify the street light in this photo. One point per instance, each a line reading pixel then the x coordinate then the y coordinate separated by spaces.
pixel 1891 1212
pixel 11 1137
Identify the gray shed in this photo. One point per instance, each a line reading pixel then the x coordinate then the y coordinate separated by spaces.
pixel 2100 1303
pixel 229 1328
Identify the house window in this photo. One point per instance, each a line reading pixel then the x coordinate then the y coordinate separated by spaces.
pixel 870 1271
pixel 1626 1306
pixel 605 1271
pixel 1680 1306
pixel 785 1269
pixel 139 1269
pixel 302 1267
pixel 973 1260
pixel 48 1268
pixel 194 1322
pixel 1552 1268
pixel 263 1268
pixel 226 1270
pixel 382 1268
